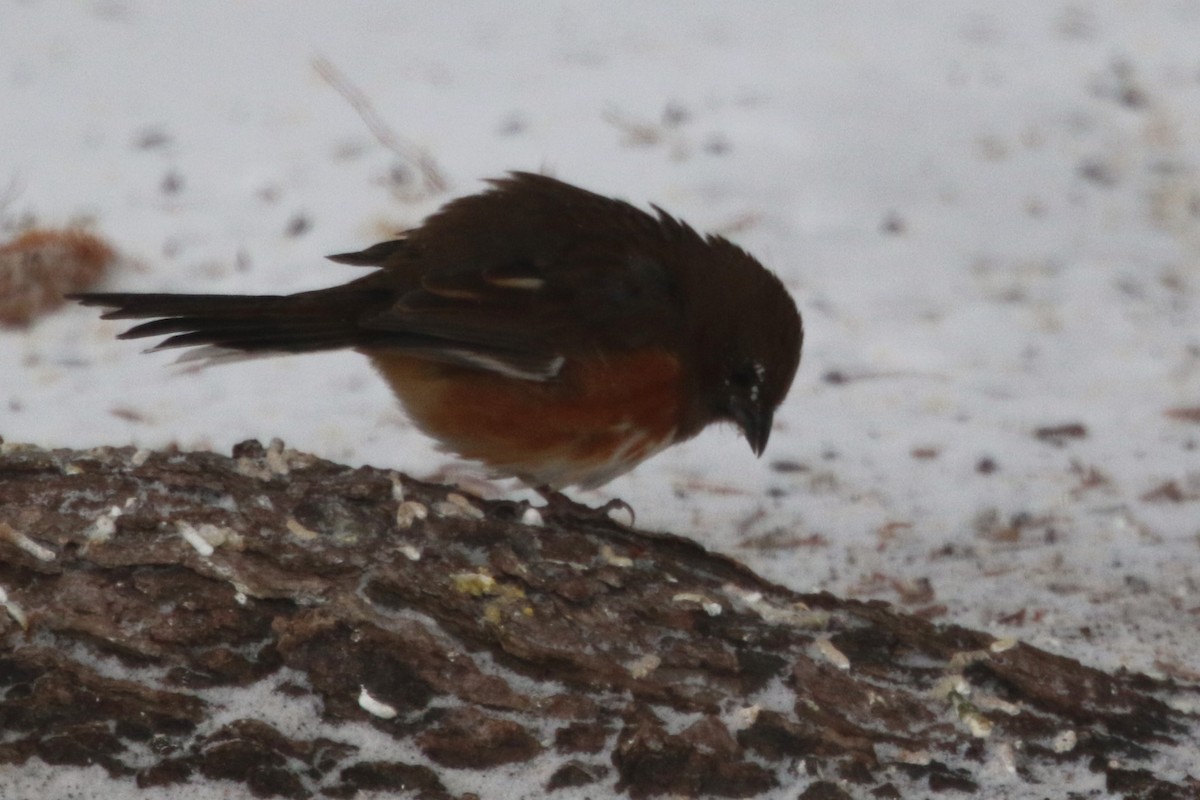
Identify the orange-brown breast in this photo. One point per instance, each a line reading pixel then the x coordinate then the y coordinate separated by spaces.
pixel 599 418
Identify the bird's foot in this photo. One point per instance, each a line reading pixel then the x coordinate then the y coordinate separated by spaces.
pixel 559 505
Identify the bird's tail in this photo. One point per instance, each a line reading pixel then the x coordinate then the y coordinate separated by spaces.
pixel 298 323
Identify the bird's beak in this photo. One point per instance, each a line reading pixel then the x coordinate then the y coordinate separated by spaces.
pixel 755 423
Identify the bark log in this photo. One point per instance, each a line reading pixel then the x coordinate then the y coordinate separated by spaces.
pixel 269 618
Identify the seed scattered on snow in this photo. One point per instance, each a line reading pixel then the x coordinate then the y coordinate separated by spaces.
pixel 613 560
pixel 397 486
pixel 643 666
pixel 375 707
pixel 456 506
pixel 192 536
pixel 832 654
pixel 1065 741
pixel 103 528
pixel 299 531
pixel 710 606
pixel 409 512
pixel 965 658
pixel 25 543
pixel 1000 645
pixel 745 717
pixel 276 459
pixel 14 610
pixel 979 725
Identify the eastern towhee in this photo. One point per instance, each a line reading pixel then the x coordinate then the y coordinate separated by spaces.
pixel 551 333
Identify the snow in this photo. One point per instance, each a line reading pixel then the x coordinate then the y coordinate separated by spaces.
pixel 989 215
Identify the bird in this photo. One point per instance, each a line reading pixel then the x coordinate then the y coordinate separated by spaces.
pixel 550 333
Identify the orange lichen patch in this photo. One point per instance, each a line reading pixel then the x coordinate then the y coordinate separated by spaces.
pixel 38 267
pixel 598 419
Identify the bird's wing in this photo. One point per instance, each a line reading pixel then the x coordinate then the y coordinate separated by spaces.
pixel 524 276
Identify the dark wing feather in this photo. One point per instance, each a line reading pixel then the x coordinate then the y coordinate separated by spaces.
pixel 539 267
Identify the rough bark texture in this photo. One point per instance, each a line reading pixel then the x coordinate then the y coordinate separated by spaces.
pixel 140 589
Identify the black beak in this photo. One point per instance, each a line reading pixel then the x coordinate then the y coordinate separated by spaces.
pixel 755 423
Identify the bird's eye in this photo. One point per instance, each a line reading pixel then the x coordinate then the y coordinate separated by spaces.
pixel 746 376
pixel 746 380
pixel 741 379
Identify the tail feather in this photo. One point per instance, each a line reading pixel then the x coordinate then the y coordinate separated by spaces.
pixel 257 324
pixel 143 306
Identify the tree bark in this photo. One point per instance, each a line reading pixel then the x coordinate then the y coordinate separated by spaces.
pixel 270 618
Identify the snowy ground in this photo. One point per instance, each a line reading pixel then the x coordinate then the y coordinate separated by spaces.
pixel 989 215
